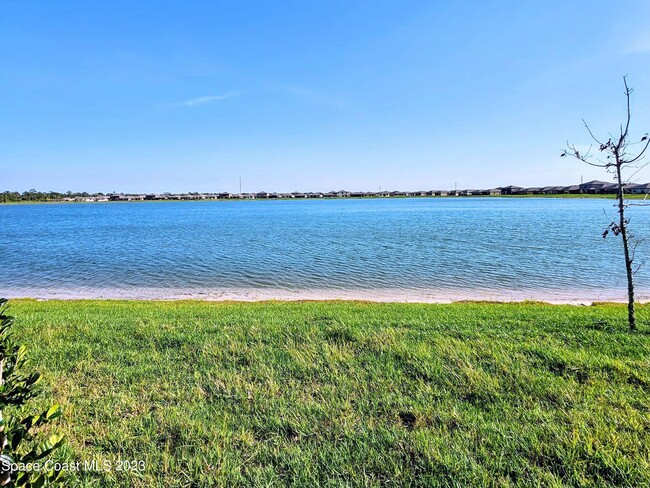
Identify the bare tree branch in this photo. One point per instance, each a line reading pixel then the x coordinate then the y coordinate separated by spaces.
pixel 640 154
pixel 628 92
pixel 591 133
pixel 617 160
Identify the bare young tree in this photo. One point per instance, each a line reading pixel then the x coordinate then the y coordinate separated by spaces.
pixel 620 156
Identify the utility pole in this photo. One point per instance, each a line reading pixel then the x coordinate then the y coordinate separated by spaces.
pixel 240 185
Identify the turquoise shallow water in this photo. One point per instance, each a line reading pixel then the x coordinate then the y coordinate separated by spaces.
pixel 410 248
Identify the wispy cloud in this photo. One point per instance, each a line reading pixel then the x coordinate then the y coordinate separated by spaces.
pixel 640 45
pixel 193 102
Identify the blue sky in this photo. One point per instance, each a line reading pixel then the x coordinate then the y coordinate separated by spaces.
pixel 189 96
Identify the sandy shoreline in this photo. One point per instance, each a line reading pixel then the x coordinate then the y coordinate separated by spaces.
pixel 572 297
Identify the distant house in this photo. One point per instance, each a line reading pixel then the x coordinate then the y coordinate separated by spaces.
pixel 357 194
pixel 594 186
pixel 494 191
pixel 315 195
pixel 511 190
pixel 640 189
pixel 609 188
pixel 299 195
pixel 534 190
pixel 124 198
pixel 573 189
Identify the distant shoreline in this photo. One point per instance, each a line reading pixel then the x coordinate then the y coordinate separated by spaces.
pixel 590 188
pixel 461 197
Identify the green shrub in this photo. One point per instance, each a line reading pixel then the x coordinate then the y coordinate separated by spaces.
pixel 20 445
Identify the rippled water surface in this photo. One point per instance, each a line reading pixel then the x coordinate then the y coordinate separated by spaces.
pixel 411 249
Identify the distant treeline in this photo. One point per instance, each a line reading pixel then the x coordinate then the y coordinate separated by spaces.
pixel 39 196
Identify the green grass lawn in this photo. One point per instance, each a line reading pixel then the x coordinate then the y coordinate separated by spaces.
pixel 346 393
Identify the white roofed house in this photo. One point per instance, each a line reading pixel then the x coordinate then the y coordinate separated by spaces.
pixel 125 198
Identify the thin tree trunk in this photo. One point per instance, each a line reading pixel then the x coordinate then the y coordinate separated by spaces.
pixel 626 250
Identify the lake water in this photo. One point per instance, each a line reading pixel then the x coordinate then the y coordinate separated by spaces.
pixel 411 249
